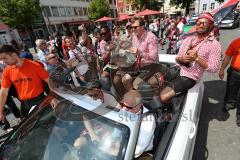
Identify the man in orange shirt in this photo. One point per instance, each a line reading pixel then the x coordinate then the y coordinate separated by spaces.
pixel 232 99
pixel 25 75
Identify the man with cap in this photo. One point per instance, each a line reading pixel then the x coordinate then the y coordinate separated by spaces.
pixel 198 53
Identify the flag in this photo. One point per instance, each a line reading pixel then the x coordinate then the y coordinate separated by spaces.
pixel 219 14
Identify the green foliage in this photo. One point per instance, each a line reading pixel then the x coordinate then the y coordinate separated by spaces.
pixel 98 9
pixel 20 13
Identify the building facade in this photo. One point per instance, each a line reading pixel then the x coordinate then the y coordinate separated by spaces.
pixel 57 12
pixel 206 6
pixel 172 10
pixel 129 7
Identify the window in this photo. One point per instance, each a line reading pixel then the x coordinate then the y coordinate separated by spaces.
pixel 62 11
pixel 80 12
pixel 204 7
pixel 69 12
pixel 75 11
pixel 121 10
pixel 212 6
pixel 46 11
pixel 127 8
pixel 59 27
pixel 85 11
pixel 112 12
pixel 49 125
pixel 52 28
pixel 133 7
pixel 55 11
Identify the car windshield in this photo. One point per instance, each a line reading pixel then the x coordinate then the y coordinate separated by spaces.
pixel 230 16
pixel 63 133
pixel 191 22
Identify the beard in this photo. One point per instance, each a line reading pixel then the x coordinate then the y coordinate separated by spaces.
pixel 203 32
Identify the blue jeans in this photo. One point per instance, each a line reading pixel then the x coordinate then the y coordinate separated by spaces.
pixel 233 86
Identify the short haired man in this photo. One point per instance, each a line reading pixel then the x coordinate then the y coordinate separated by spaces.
pixel 25 75
pixel 58 70
pixel 42 50
pixel 233 77
pixel 198 53
pixel 145 45
pixel 132 102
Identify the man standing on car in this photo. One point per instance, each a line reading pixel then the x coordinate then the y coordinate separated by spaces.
pixel 198 53
pixel 26 76
pixel 231 99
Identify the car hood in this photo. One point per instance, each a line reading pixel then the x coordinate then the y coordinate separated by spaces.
pixel 227 21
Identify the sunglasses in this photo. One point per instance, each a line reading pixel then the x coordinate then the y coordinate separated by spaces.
pixel 53 57
pixel 135 27
pixel 202 23
pixel 128 107
pixel 125 106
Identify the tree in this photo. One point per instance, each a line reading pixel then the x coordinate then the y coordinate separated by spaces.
pixel 184 4
pixel 20 13
pixel 98 9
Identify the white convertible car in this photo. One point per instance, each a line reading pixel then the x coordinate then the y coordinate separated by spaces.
pixel 49 134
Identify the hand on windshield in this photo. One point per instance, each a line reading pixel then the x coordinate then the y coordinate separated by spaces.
pixel 54 103
pixel 94 137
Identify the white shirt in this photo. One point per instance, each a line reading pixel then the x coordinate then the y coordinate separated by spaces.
pixel 153 27
pixel 180 26
pixel 77 51
pixel 146 135
pixel 42 57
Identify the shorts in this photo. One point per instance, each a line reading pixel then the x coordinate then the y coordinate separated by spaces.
pixel 144 72
pixel 182 84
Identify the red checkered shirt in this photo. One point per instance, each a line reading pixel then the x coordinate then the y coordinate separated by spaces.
pixel 148 46
pixel 209 50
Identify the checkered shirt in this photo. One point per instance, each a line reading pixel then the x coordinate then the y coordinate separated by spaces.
pixel 209 50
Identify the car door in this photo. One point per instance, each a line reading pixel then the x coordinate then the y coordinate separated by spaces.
pixel 183 140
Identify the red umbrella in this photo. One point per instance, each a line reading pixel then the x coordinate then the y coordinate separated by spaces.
pixel 124 17
pixel 105 19
pixel 3 26
pixel 147 12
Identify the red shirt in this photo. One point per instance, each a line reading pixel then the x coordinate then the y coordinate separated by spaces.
pixel 234 51
pixel 27 79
